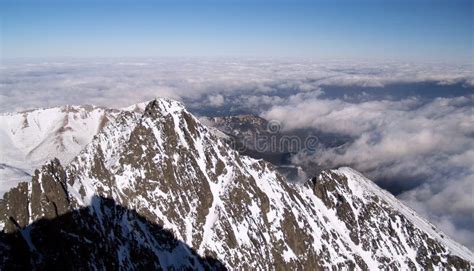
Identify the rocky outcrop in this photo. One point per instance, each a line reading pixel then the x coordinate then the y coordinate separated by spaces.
pixel 383 226
pixel 46 196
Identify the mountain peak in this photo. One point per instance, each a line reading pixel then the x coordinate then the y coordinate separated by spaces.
pixel 165 106
pixel 173 172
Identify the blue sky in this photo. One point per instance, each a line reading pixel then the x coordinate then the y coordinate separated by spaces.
pixel 378 29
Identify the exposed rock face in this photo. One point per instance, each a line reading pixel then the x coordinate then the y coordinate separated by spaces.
pixel 381 225
pixel 164 168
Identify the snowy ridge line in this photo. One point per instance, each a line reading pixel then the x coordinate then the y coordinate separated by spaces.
pixel 30 138
pixel 408 212
pixel 163 164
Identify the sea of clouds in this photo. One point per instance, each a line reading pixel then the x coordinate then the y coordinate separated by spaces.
pixel 416 139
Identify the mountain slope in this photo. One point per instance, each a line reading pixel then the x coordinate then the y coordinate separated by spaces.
pixel 29 139
pixel 266 139
pixel 166 167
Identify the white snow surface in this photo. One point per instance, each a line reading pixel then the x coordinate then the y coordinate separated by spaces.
pixel 31 138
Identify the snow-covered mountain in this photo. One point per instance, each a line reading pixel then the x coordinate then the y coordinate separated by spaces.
pixel 29 139
pixel 159 189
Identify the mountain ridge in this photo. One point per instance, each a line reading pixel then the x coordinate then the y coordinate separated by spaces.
pixel 30 138
pixel 174 171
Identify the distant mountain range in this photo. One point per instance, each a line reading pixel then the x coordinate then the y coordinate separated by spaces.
pixel 31 138
pixel 152 187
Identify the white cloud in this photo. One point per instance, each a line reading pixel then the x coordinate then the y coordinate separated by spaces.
pixel 216 100
pixel 118 83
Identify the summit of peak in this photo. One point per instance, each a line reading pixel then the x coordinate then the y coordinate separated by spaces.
pixel 165 106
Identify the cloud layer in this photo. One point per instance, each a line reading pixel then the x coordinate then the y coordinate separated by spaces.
pixel 420 143
pixel 118 83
